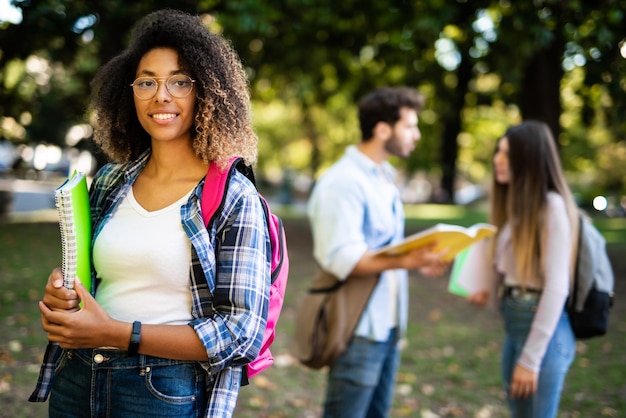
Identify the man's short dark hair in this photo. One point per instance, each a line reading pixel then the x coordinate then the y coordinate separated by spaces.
pixel 384 104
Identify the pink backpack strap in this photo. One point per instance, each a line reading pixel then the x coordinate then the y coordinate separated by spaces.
pixel 214 188
pixel 212 202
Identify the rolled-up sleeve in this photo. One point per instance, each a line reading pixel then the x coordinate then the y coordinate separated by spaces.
pixel 232 333
pixel 336 215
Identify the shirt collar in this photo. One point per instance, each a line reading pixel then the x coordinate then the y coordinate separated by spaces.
pixel 135 166
pixel 368 165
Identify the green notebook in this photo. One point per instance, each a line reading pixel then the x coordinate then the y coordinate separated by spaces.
pixel 454 286
pixel 72 202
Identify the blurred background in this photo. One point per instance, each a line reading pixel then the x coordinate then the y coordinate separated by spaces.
pixel 483 65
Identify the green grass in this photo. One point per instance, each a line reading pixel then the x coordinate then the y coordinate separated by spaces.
pixel 450 366
pixel 28 254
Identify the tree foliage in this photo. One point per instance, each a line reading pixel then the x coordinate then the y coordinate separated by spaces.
pixel 482 64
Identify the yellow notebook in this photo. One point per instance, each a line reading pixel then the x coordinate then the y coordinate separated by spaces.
pixel 72 203
pixel 450 239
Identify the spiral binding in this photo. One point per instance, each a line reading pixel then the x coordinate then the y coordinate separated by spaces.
pixel 62 200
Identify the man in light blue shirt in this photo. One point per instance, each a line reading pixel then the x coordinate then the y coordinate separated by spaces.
pixel 355 209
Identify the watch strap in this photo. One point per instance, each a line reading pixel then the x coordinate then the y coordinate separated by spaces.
pixel 135 338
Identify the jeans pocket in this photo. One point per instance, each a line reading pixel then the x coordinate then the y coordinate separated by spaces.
pixel 65 357
pixel 176 383
pixel 518 316
pixel 563 340
pixel 360 363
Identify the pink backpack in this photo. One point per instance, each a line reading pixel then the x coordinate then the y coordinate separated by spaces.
pixel 212 201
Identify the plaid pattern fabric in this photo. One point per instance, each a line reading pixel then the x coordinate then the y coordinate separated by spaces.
pixel 230 292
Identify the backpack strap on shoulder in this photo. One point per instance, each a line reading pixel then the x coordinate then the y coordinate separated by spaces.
pixel 573 294
pixel 214 189
pixel 244 169
pixel 213 194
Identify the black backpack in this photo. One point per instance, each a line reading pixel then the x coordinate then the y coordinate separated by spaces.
pixel 591 297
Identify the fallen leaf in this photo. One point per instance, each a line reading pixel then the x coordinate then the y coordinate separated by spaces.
pixel 608 412
pixel 258 402
pixel 284 360
pixel 434 315
pixel 427 389
pixel 5 386
pixel 263 382
pixel 403 389
pixel 427 413
pixel 15 346
pixel 6 357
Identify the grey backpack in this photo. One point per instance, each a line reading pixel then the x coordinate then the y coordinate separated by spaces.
pixel 592 294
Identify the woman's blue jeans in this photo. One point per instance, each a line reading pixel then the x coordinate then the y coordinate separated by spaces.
pixel 518 316
pixel 109 383
pixel 361 381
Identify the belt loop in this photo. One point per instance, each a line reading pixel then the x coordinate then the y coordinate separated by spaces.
pixel 141 363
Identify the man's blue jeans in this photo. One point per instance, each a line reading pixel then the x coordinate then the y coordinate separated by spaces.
pixel 109 383
pixel 518 316
pixel 361 381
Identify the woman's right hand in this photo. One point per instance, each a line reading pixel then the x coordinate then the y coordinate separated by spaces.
pixel 87 327
pixel 57 297
pixel 479 298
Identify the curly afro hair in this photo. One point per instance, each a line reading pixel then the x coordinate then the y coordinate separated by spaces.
pixel 223 119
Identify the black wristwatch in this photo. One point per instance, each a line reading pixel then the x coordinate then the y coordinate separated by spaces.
pixel 135 338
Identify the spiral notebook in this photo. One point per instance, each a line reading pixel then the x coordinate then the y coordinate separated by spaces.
pixel 72 203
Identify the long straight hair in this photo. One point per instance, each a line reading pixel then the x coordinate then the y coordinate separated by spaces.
pixel 535 169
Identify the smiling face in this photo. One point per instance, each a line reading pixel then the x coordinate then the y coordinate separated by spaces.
pixel 501 167
pixel 164 117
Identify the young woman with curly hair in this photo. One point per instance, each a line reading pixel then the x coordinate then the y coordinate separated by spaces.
pixel 178 310
pixel 529 266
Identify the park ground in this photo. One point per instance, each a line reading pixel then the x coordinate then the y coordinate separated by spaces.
pixel 450 366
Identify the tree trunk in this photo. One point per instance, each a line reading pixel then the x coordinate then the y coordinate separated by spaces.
pixel 452 128
pixel 316 154
pixel 540 96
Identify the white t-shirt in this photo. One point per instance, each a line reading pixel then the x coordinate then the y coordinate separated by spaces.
pixel 143 260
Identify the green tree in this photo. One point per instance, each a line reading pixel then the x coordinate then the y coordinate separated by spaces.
pixel 482 65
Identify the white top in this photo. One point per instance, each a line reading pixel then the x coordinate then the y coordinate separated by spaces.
pixel 143 260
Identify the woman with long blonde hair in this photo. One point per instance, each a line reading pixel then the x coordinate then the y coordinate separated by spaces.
pixel 528 266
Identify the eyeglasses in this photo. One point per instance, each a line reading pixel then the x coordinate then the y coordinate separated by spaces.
pixel 178 86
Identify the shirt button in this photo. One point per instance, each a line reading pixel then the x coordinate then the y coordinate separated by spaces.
pixel 98 358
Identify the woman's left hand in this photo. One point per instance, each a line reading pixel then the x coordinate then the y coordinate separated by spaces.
pixel 523 383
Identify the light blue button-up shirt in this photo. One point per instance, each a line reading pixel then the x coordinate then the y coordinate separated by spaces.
pixel 355 207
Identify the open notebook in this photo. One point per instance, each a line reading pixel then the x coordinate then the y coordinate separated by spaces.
pixel 447 238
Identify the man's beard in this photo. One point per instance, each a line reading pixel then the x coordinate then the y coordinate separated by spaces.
pixel 394 147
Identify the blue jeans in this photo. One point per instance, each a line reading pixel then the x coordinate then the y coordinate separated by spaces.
pixel 109 383
pixel 518 316
pixel 361 381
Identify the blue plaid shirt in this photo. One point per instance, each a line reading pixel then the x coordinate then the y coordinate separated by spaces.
pixel 229 308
